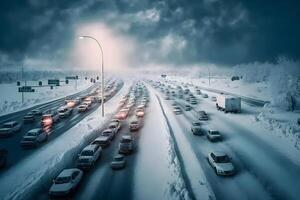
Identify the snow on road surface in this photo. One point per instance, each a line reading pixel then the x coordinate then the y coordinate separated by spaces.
pixel 193 175
pixel 11 100
pixel 157 171
pixel 44 164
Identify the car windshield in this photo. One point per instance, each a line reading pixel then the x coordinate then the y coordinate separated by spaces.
pixel 118 158
pixel 31 133
pixel 222 159
pixel 62 180
pixel 87 153
pixel 214 132
pixel 196 123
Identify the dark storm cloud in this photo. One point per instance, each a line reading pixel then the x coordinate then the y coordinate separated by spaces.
pixel 174 31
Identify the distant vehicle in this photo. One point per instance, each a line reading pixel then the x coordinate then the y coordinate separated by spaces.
pixel 36 112
pixel 114 126
pixel 174 103
pixel 194 102
pixel 228 103
pixel 187 99
pixel 204 95
pixel 126 144
pixel 65 111
pixel 135 125
pixel 140 113
pixel 167 98
pixel 213 98
pixel 72 102
pixel 88 156
pixel 196 128
pixel 198 92
pixel 118 162
pixel 122 114
pixel 202 115
pixel 186 91
pixel 83 107
pixel 103 141
pixel 177 110
pixel 109 133
pixel 187 107
pixel 66 182
pixel 213 135
pixel 29 118
pixel 221 163
pixel 10 128
pixel 50 119
pixel 33 137
pixel 3 157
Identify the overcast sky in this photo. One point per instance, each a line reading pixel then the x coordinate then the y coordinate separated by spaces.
pixel 142 32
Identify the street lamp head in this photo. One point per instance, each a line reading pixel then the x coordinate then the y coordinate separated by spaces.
pixel 81 37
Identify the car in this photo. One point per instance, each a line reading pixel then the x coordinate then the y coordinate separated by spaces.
pixel 202 115
pixel 213 98
pixel 135 125
pixel 140 113
pixel 88 156
pixel 122 114
pixel 204 95
pixel 167 98
pixel 50 119
pixel 198 92
pixel 193 101
pixel 66 182
pixel 187 107
pixel 29 118
pixel 174 103
pixel 109 133
pixel 115 126
pixel 177 110
pixel 3 157
pixel 118 162
pixel 126 145
pixel 213 135
pixel 33 137
pixel 37 112
pixel 196 128
pixel 65 111
pixel 103 141
pixel 221 163
pixel 10 128
pixel 82 107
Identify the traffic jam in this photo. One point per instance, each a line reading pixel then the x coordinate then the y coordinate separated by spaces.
pixel 186 98
pixel 35 127
pixel 117 140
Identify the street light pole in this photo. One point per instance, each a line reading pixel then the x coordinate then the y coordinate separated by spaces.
pixel 102 70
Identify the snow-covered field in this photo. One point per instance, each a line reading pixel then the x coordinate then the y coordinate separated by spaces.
pixel 11 99
pixel 41 166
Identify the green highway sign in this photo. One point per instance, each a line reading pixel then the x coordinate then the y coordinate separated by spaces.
pixel 26 89
pixel 53 82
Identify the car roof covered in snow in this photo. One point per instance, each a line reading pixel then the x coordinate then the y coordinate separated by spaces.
pixel 219 153
pixel 68 172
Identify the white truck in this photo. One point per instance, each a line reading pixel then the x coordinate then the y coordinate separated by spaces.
pixel 228 103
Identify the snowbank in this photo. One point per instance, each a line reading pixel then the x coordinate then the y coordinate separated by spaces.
pixel 39 168
pixel 11 100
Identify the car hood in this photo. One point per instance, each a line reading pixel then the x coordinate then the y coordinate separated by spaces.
pixel 61 187
pixel 224 166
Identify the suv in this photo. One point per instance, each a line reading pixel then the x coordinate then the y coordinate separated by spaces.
pixel 213 135
pixel 88 156
pixel 126 144
pixel 33 137
pixel 50 119
pixel 9 128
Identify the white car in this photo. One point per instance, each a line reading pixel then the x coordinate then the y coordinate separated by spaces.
pixel 108 133
pixel 66 182
pixel 118 162
pixel 135 125
pixel 103 141
pixel 177 110
pixel 202 115
pixel 196 128
pixel 213 98
pixel 34 137
pixel 88 156
pixel 213 135
pixel 83 107
pixel 9 128
pixel 221 163
pixel 204 95
pixel 65 111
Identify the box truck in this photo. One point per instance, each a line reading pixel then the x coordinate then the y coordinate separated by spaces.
pixel 228 103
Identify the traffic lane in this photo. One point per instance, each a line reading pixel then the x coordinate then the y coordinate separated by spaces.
pixel 272 168
pixel 222 187
pixel 17 153
pixel 20 114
